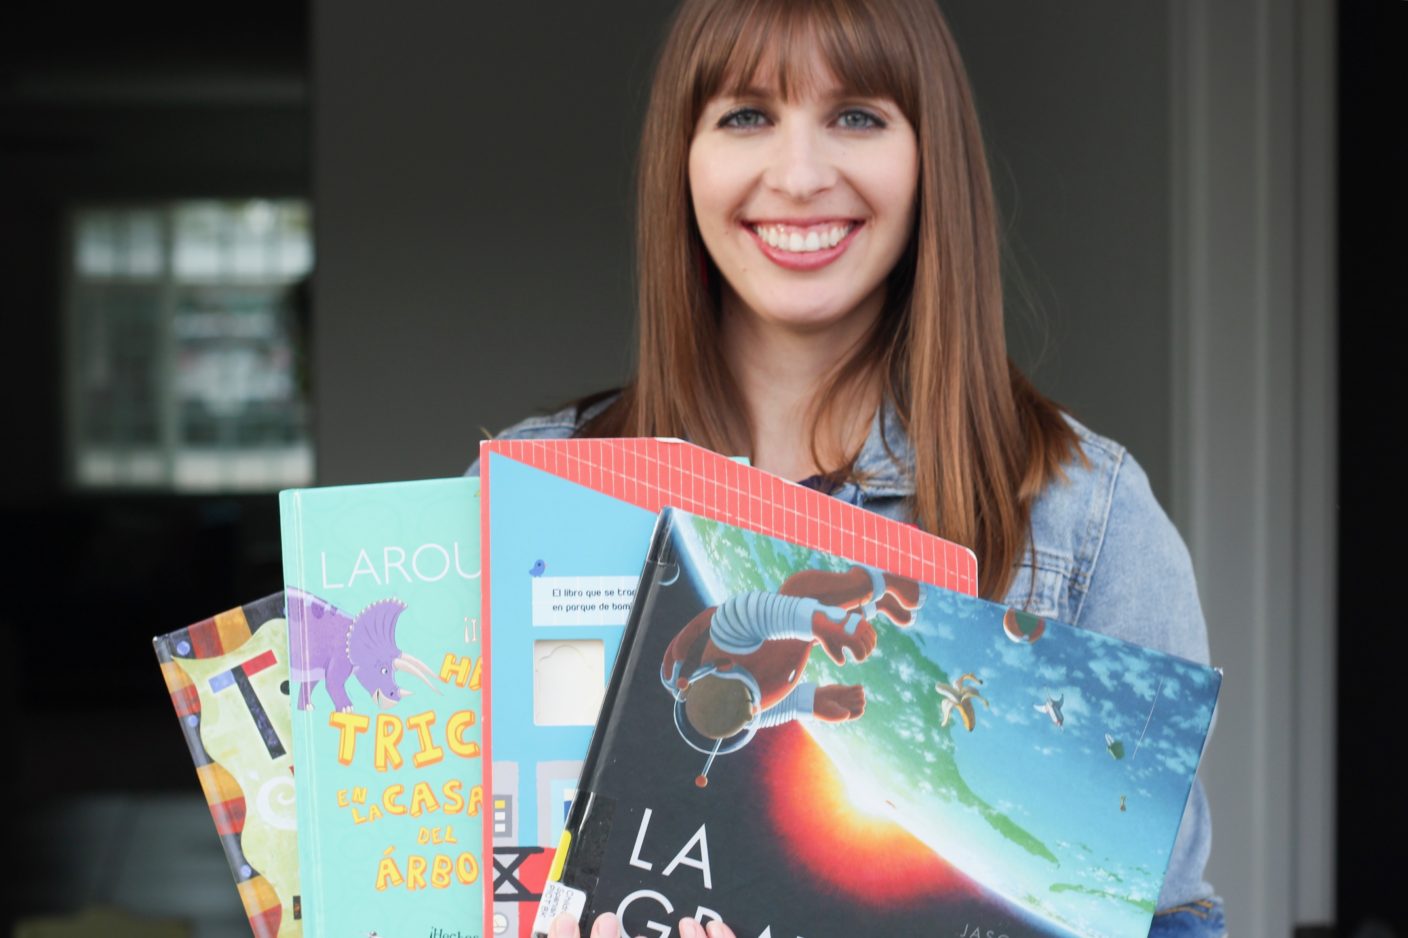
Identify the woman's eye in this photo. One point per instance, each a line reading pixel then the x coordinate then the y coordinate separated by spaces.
pixel 744 118
pixel 856 119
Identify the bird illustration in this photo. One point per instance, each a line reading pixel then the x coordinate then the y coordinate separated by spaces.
pixel 1052 708
pixel 538 568
pixel 958 696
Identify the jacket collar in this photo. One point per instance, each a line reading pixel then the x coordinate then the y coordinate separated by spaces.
pixel 885 464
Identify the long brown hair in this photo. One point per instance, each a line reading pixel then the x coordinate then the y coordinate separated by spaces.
pixel 985 441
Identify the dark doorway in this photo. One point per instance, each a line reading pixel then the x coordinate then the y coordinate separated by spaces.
pixel 1373 298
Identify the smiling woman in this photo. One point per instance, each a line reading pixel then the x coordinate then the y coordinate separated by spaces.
pixel 769 120
pixel 819 289
pixel 805 204
pixel 824 182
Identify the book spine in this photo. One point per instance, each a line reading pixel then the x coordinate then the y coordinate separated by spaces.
pixel 584 838
pixel 305 765
pixel 183 697
pixel 486 682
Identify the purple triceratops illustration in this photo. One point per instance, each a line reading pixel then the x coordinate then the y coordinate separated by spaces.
pixel 328 645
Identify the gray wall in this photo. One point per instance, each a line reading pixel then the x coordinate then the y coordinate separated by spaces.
pixel 472 178
pixel 1074 99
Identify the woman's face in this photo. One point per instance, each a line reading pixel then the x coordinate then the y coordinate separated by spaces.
pixel 804 205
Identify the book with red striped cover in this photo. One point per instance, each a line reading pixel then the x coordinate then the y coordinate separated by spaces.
pixel 566 526
pixel 228 679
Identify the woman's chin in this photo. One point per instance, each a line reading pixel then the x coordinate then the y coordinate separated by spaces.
pixel 804 318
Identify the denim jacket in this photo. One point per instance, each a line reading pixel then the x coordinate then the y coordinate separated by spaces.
pixel 1107 558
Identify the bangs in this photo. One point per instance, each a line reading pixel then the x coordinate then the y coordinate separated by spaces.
pixel 777 44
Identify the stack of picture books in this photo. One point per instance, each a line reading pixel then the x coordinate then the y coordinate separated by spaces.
pixel 635 676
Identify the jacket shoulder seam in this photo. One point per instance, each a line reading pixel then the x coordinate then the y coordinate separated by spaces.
pixel 1088 555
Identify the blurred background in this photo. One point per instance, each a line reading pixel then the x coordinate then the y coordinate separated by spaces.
pixel 323 242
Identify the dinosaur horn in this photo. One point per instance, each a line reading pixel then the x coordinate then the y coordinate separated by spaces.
pixel 414 666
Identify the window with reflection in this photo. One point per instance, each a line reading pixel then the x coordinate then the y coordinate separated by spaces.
pixel 186 346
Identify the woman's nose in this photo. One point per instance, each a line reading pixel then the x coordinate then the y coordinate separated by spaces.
pixel 800 166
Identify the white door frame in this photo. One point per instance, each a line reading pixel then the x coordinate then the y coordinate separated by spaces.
pixel 1254 446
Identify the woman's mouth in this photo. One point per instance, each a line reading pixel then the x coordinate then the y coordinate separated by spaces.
pixel 803 247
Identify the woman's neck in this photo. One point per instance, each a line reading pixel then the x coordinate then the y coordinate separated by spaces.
pixel 780 372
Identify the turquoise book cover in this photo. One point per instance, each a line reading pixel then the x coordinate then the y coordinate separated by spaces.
pixel 382 587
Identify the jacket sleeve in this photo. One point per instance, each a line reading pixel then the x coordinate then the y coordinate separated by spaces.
pixel 1141 588
pixel 1140 585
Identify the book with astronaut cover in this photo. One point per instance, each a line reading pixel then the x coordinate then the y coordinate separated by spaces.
pixel 801 744
pixel 567 524
pixel 228 680
pixel 382 590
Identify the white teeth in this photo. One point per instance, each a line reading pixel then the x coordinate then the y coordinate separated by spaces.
pixel 796 242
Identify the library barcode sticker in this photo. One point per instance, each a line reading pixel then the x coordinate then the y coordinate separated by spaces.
pixel 557 899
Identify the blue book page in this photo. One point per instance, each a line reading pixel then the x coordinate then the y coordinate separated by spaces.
pixel 565 562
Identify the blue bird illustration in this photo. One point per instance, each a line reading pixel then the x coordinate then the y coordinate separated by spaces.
pixel 538 569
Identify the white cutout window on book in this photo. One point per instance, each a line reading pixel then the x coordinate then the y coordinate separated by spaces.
pixel 569 681
pixel 187 328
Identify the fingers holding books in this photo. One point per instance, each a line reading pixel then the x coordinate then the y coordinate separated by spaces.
pixel 607 926
pixel 565 926
pixel 689 928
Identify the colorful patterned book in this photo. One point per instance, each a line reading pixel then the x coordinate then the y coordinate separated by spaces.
pixel 228 679
pixel 382 583
pixel 566 528
pixel 805 745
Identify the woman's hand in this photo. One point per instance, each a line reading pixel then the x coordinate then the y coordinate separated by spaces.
pixel 606 926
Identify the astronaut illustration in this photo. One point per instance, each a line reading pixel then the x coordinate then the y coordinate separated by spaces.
pixel 737 667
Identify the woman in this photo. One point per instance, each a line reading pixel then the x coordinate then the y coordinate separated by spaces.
pixel 819 290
